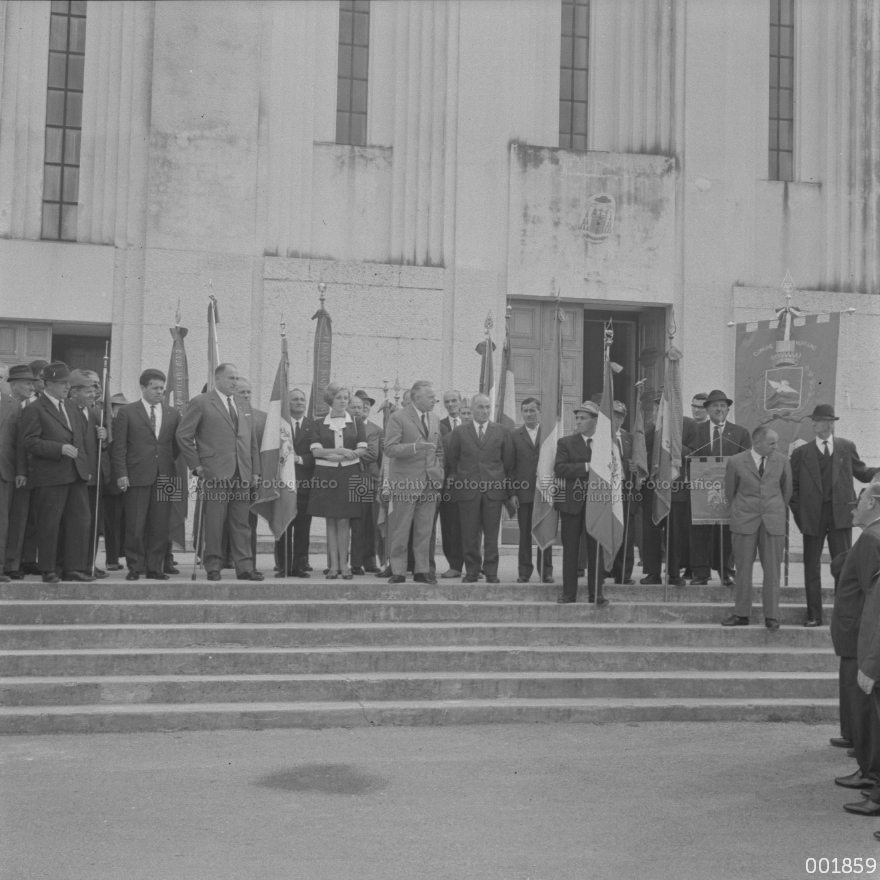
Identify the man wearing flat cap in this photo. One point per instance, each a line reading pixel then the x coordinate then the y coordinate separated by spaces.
pixel 21 388
pixel 822 482
pixel 715 437
pixel 572 466
pixel 53 433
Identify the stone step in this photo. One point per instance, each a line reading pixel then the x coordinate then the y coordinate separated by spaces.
pixel 316 589
pixel 51 612
pixel 587 631
pixel 257 716
pixel 303 661
pixel 396 686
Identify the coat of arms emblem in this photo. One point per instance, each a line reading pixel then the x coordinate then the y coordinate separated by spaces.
pixel 598 222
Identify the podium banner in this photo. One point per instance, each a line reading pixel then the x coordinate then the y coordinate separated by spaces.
pixel 708 502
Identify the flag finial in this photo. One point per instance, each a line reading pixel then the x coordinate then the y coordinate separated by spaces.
pixel 673 327
pixel 283 325
pixel 322 289
pixel 489 323
pixel 177 314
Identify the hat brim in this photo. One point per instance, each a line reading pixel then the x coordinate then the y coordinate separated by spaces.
pixel 824 418
pixel 708 403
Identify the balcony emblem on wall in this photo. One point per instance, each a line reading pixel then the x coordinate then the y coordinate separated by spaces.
pixel 598 222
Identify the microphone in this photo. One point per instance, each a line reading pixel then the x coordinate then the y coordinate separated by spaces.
pixel 698 453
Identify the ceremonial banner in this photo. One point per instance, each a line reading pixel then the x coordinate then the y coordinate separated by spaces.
pixel 506 415
pixel 321 368
pixel 213 341
pixel 604 512
pixel 177 396
pixel 780 380
pixel 486 349
pixel 709 504
pixel 545 518
pixel 640 448
pixel 666 466
pixel 276 496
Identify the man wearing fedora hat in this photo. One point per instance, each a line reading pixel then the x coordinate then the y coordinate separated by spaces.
pixel 53 433
pixel 21 387
pixel 822 479
pixel 715 437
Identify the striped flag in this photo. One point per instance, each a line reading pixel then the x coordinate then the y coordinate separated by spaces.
pixel 177 396
pixel 276 497
pixel 545 518
pixel 640 448
pixel 486 349
pixel 665 467
pixel 321 362
pixel 506 414
pixel 604 510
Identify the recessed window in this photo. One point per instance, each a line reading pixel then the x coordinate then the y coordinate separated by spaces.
pixel 67 47
pixel 351 83
pixel 781 145
pixel 573 74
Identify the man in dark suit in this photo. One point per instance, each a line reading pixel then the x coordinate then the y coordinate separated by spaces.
pixel 243 394
pixel 450 521
pixel 10 413
pixel 758 486
pixel 481 461
pixel 527 449
pixel 572 467
pixel 363 530
pixel 822 473
pixel 112 500
pixel 856 586
pixel 292 551
pixel 144 449
pixel 715 437
pixel 53 433
pixel 21 387
pixel 219 445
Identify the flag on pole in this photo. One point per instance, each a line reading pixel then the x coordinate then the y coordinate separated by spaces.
pixel 486 349
pixel 177 396
pixel 640 448
pixel 321 358
pixel 604 509
pixel 506 415
pixel 276 496
pixel 545 518
pixel 213 341
pixel 666 464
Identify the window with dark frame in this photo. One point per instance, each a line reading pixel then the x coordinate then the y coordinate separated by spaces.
pixel 67 46
pixel 781 144
pixel 351 84
pixel 573 74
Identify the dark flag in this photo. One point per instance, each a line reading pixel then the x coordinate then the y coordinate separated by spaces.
pixel 321 369
pixel 177 396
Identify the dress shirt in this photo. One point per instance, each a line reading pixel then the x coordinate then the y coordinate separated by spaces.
pixel 533 435
pixel 821 447
pixel 588 442
pixel 757 458
pixel 61 408
pixel 158 414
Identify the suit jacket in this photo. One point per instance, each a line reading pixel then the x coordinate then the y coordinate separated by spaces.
pixel 259 417
pixel 525 463
pixel 734 439
pixel 446 425
pixel 806 499
pixel 407 467
pixel 13 459
pixel 867 562
pixel 303 448
pixel 855 582
pixel 207 438
pixel 755 500
pixel 485 468
pixel 44 432
pixel 572 456
pixel 372 461
pixel 136 451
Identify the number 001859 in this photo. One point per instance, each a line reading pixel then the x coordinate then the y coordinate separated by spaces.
pixel 844 867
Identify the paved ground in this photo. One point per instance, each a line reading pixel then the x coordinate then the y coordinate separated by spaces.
pixel 505 802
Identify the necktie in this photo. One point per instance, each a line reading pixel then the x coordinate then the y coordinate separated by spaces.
pixel 63 412
pixel 425 425
pixel 825 444
pixel 153 418
pixel 295 432
pixel 480 437
pixel 716 440
pixel 455 423
pixel 761 466
pixel 233 412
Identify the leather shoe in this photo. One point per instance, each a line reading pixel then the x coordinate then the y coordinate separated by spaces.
pixel 811 622
pixel 30 568
pixel 492 580
pixel 840 742
pixel 132 575
pixel 5 579
pixel 157 576
pixel 855 780
pixel 99 573
pixel 602 601
pixel 113 566
pixel 213 575
pixel 651 580
pixel 771 623
pixel 171 569
pixel 299 573
pixel 728 581
pixel 734 620
pixel 548 580
pixel 385 573
pixel 627 583
pixel 863 808
pixel 50 578
pixel 369 569
pixel 522 580
pixel 252 575
pixel 699 582
pixel 79 576
pixel 452 573
pixel 468 580
pixel 14 575
pixel 677 582
pixel 422 578
pixel 307 567
pixel 397 579
pixel 565 601
pixel 357 570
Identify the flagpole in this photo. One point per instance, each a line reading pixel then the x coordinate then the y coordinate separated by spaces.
pixel 600 569
pixel 98 475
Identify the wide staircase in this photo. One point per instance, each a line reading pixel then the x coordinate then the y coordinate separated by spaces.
pixel 181 654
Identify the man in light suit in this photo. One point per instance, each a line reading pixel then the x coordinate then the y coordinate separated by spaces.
pixel 219 445
pixel 758 486
pixel 481 462
pixel 822 475
pixel 717 436
pixel 144 449
pixel 526 450
pixel 415 476
pixel 53 434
